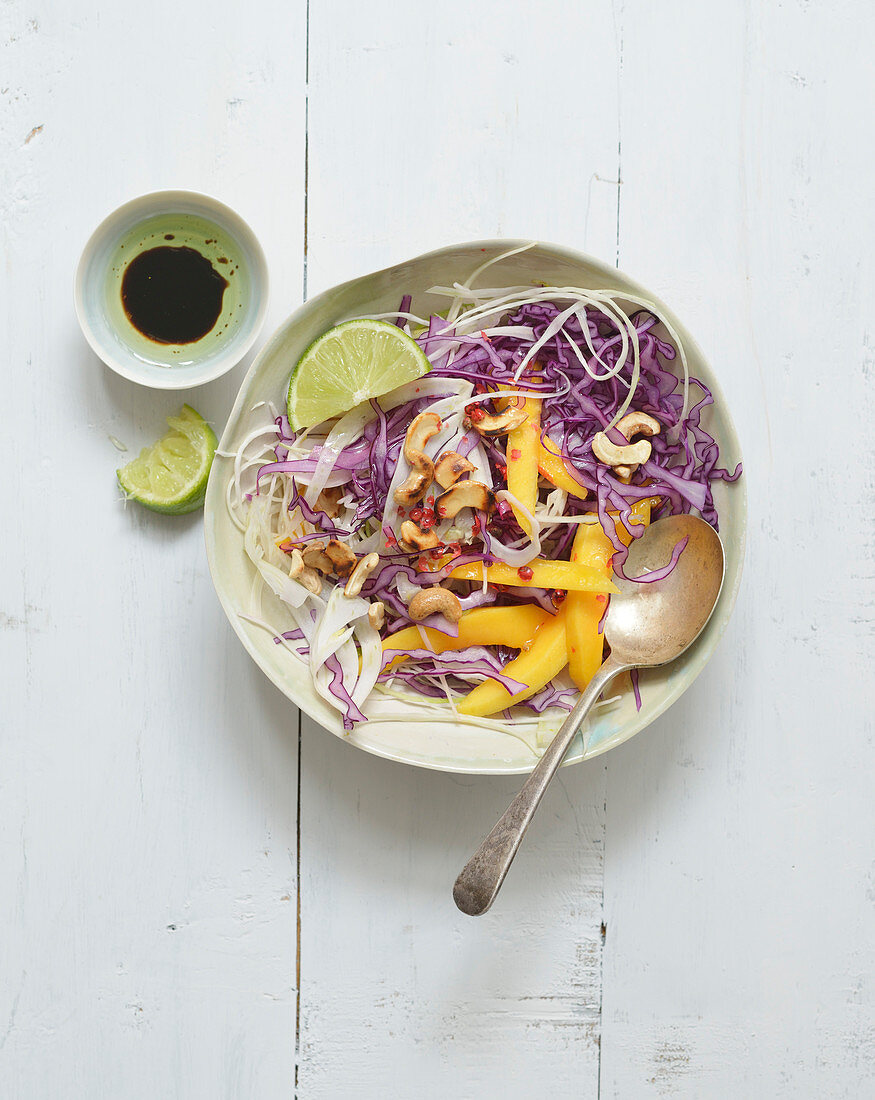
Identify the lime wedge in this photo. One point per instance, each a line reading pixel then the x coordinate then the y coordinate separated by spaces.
pixel 171 475
pixel 350 364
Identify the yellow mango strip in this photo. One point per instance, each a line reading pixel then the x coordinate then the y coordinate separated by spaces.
pixel 510 626
pixel 584 610
pixel 523 444
pixel 594 549
pixel 545 659
pixel 552 465
pixel 640 514
pixel 564 575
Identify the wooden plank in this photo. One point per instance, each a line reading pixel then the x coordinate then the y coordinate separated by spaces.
pixel 401 994
pixel 428 127
pixel 739 947
pixel 147 793
pixel 432 126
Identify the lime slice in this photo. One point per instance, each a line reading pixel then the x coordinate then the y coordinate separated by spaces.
pixel 171 475
pixel 350 364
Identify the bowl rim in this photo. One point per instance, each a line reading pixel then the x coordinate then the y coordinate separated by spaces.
pixel 180 378
pixel 696 657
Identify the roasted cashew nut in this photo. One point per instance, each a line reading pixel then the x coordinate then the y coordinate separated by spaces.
pixel 628 458
pixel 341 557
pixel 450 467
pixel 638 423
pixel 467 494
pixel 421 429
pixel 315 557
pixel 435 601
pixel 499 423
pixel 414 539
pixel 303 574
pixel 377 614
pixel 311 580
pixel 632 454
pixel 360 574
pixel 415 484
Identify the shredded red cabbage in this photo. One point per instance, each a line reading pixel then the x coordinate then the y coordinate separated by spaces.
pixel 580 398
pixel 661 574
pixel 475 661
pixel 351 713
pixel 547 697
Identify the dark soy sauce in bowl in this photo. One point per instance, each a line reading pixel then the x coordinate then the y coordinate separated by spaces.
pixel 172 294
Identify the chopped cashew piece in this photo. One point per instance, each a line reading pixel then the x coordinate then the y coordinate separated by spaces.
pixel 421 429
pixel 467 494
pixel 377 614
pixel 341 557
pixel 296 564
pixel 435 601
pixel 360 574
pixel 414 539
pixel 450 467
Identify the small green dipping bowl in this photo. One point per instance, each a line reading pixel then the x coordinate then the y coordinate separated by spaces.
pixel 171 219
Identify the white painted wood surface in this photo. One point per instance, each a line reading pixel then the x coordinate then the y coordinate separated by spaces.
pixel 692 915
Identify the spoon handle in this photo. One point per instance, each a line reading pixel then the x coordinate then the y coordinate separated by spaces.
pixel 477 886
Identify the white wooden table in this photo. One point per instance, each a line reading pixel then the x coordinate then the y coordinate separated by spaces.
pixel 203 896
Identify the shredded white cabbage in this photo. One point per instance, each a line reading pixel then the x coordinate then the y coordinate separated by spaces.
pixel 516 556
pixel 486 310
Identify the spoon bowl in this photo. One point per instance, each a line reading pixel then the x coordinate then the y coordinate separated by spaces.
pixel 675 573
pixel 652 622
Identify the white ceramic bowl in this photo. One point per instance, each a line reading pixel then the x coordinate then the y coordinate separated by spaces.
pixel 401 731
pixel 217 233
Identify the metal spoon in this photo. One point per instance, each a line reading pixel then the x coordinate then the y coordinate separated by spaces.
pixel 647 624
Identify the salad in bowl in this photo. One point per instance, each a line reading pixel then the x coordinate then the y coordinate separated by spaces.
pixel 429 497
